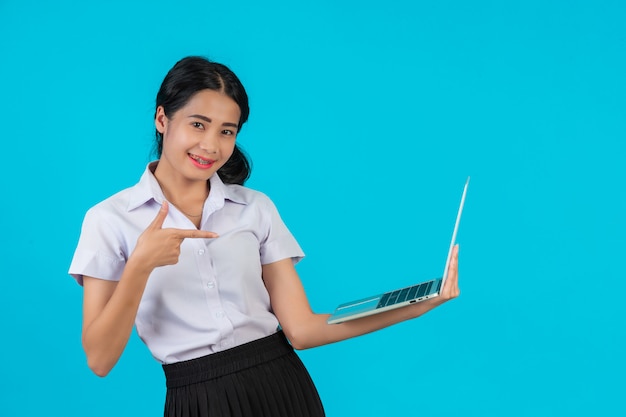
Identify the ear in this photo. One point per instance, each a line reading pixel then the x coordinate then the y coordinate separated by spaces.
pixel 160 120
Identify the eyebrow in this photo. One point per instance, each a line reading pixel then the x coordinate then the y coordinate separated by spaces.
pixel 208 120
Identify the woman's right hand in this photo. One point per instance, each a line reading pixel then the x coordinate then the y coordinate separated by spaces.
pixel 157 246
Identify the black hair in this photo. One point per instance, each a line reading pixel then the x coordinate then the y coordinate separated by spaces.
pixel 191 75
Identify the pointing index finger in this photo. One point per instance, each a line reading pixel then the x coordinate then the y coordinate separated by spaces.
pixel 194 234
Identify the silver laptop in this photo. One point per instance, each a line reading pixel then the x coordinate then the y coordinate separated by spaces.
pixel 403 296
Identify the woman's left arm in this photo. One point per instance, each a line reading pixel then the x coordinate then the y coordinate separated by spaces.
pixel 306 329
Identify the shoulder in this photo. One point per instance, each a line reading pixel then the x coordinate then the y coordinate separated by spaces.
pixel 131 198
pixel 244 195
pixel 113 206
pixel 117 201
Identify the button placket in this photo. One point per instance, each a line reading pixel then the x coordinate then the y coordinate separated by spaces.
pixel 210 284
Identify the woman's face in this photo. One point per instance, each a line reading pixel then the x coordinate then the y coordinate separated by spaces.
pixel 199 138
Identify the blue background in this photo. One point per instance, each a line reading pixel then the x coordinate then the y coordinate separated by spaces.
pixel 366 119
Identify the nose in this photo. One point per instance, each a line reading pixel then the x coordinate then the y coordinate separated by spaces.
pixel 209 142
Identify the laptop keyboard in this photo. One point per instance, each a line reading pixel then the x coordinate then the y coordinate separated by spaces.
pixel 409 293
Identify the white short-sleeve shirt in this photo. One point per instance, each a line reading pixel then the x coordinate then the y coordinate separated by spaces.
pixel 214 298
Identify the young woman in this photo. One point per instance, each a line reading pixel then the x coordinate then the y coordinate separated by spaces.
pixel 204 267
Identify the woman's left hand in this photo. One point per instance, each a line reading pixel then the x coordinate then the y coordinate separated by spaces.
pixel 450 288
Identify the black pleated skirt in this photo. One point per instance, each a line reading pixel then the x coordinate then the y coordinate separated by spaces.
pixel 263 378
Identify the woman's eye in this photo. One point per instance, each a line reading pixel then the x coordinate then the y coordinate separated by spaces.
pixel 197 125
pixel 228 132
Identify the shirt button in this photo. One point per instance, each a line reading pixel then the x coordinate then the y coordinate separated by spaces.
pixel 201 252
pixel 210 284
pixel 219 314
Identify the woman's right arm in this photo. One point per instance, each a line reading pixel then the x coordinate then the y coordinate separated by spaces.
pixel 109 310
pixel 110 307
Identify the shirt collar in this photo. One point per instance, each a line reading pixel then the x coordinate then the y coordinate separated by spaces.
pixel 148 188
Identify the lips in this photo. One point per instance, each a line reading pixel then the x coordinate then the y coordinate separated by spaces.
pixel 201 162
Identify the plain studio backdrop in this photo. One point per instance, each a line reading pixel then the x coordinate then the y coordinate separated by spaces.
pixel 366 118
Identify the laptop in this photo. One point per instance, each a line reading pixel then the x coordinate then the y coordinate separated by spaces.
pixel 400 297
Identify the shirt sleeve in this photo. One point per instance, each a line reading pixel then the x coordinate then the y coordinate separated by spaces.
pixel 279 243
pixel 99 252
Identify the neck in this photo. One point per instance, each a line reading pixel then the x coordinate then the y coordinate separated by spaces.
pixel 186 195
pixel 178 188
pixel 183 196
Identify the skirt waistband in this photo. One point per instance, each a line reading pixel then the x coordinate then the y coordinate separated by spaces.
pixel 226 362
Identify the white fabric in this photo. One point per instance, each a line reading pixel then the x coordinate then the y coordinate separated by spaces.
pixel 214 297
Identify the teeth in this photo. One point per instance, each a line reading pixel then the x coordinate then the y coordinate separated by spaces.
pixel 200 160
